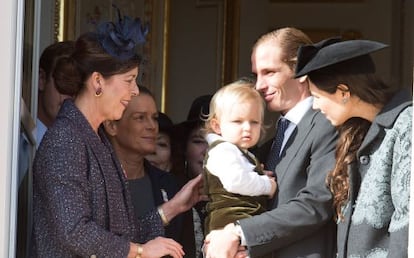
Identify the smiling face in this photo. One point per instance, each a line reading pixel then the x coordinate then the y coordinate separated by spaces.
pixel 136 132
pixel 240 123
pixel 117 92
pixel 275 78
pixel 332 105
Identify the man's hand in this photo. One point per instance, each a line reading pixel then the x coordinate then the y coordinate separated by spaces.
pixel 224 243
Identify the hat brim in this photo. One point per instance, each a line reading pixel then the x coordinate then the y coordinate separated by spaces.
pixel 320 55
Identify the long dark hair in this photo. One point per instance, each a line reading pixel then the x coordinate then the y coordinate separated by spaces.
pixel 370 89
pixel 351 135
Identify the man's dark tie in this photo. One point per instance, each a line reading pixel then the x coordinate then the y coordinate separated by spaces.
pixel 274 154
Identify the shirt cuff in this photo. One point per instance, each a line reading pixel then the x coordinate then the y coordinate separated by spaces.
pixel 239 231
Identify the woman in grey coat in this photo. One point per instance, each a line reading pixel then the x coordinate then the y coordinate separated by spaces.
pixel 371 179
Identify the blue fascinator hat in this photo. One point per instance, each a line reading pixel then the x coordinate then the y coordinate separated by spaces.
pixel 120 39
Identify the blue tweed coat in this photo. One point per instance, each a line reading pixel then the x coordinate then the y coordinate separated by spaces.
pixel 81 202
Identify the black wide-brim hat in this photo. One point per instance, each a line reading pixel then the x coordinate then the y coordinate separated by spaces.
pixel 199 110
pixel 165 124
pixel 333 51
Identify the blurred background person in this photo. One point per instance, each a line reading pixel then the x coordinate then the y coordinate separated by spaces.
pixel 191 145
pixel 161 157
pixel 49 99
pixel 189 148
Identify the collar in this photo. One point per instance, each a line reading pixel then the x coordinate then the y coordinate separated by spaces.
pixel 389 113
pixel 212 137
pixel 299 110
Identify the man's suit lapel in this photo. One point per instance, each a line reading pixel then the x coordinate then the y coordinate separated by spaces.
pixel 294 144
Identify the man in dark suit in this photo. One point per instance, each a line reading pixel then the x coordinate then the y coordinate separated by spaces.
pixel 299 222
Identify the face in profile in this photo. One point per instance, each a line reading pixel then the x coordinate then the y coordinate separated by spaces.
pixel 117 91
pixel 331 105
pixel 195 151
pixel 275 79
pixel 161 158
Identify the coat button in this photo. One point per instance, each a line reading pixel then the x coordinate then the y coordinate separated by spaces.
pixel 364 160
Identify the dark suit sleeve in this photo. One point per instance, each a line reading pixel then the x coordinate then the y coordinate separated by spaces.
pixel 310 206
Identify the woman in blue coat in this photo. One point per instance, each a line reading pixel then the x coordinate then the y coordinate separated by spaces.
pixel 81 201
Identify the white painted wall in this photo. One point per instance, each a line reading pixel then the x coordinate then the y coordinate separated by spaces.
pixel 11 17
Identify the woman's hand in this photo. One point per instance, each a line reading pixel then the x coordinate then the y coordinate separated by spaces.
pixel 186 198
pixel 158 247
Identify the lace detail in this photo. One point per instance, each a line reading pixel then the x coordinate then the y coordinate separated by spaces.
pixel 384 193
pixel 198 233
pixel 374 253
pixel 374 205
pixel 401 174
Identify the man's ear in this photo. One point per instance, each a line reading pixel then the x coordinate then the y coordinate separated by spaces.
pixel 110 127
pixel 42 80
pixel 303 79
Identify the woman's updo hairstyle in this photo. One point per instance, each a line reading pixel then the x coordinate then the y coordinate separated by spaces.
pixel 110 50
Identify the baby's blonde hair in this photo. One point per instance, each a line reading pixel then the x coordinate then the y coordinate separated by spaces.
pixel 230 95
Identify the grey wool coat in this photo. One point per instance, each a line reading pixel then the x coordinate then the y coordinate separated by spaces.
pixel 300 220
pixel 81 202
pixel 377 214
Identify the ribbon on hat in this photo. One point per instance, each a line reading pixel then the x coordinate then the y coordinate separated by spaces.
pixel 307 52
pixel 120 39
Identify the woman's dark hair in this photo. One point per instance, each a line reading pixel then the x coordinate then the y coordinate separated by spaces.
pixel 370 89
pixel 144 90
pixel 366 86
pixel 165 124
pixel 351 135
pixel 89 56
pixel 200 107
